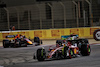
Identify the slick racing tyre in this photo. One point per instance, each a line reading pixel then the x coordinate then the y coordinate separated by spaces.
pixel 6 43
pixel 41 54
pixel 37 40
pixel 85 50
pixel 96 35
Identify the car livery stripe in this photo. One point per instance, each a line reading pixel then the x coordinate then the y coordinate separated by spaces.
pixel 52 52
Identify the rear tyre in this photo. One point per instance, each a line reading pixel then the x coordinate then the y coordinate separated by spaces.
pixel 6 43
pixel 41 54
pixel 82 42
pixel 37 40
pixel 85 50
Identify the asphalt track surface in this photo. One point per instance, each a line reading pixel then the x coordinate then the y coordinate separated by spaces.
pixel 22 57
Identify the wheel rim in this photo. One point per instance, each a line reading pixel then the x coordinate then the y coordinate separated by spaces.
pixel 67 53
pixel 89 50
pixel 97 34
pixel 71 52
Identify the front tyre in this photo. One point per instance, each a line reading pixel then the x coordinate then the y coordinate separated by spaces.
pixel 68 53
pixel 71 54
pixel 41 54
pixel 65 52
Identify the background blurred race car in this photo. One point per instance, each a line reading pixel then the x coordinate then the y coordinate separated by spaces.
pixel 17 41
pixel 64 49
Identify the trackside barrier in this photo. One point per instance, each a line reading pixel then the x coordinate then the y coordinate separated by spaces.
pixel 86 32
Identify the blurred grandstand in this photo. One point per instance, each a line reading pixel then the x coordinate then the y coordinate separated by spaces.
pixel 46 14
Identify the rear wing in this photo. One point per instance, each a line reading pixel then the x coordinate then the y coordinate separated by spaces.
pixel 10 36
pixel 64 37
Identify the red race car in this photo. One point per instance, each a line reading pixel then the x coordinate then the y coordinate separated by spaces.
pixel 64 49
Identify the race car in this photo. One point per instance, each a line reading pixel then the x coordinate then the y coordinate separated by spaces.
pixel 96 35
pixel 17 41
pixel 64 49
